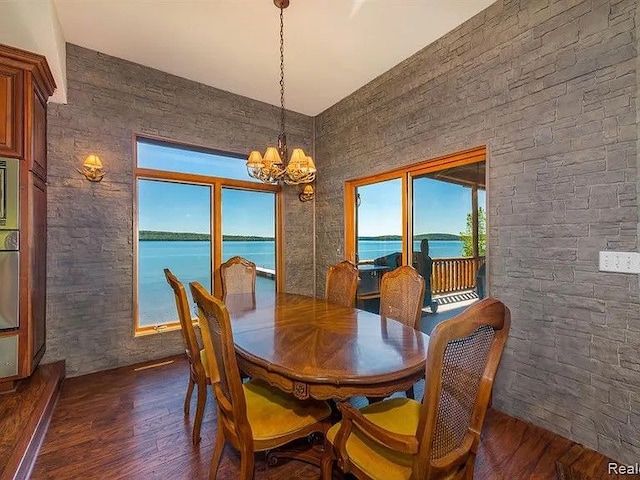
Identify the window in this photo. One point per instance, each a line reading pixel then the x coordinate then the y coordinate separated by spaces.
pixel 195 210
pixel 436 208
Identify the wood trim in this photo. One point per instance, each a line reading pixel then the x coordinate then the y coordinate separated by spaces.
pixel 280 248
pixel 216 229
pixel 406 174
pixel 203 179
pixel 350 221
pixel 32 62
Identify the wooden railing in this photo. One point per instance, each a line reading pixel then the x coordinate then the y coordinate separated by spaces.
pixel 454 274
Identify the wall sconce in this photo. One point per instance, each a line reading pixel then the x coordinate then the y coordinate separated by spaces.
pixel 92 168
pixel 307 193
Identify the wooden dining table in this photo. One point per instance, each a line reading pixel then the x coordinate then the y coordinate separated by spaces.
pixel 312 348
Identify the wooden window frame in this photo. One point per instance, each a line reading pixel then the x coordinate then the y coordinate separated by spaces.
pixel 406 174
pixel 216 184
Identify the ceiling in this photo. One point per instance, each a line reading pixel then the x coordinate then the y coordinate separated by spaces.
pixel 332 47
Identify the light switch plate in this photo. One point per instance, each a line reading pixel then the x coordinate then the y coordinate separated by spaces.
pixel 622 262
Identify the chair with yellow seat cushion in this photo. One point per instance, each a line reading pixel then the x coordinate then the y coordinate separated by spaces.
pixel 198 370
pixel 252 416
pixel 402 439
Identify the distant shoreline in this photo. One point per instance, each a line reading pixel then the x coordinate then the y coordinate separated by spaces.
pixel 150 235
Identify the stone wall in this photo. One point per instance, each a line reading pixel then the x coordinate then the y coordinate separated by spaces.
pixel 550 87
pixel 90 232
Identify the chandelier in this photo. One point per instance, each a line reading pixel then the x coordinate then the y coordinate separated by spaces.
pixel 270 168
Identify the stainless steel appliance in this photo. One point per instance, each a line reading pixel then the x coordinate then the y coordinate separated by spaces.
pixel 9 264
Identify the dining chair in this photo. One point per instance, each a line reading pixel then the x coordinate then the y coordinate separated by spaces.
pixel 403 439
pixel 342 284
pixel 238 276
pixel 252 416
pixel 401 298
pixel 401 295
pixel 198 369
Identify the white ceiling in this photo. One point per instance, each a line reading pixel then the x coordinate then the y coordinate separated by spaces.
pixel 332 47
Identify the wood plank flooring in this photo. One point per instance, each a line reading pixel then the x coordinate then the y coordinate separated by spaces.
pixel 24 417
pixel 128 424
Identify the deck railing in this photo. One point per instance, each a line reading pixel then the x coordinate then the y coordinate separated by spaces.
pixel 454 274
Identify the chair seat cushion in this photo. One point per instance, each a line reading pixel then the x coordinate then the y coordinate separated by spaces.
pixel 273 413
pixel 398 415
pixel 203 360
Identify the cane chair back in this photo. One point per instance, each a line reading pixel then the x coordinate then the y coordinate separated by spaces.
pixel 401 295
pixel 402 439
pixel 342 283
pixel 238 276
pixel 198 374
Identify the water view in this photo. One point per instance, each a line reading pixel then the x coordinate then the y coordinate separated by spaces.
pixel 191 261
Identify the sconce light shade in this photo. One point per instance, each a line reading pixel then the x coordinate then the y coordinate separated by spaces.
pixel 92 168
pixel 307 193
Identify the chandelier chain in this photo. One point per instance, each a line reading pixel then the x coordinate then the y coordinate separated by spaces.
pixel 282 69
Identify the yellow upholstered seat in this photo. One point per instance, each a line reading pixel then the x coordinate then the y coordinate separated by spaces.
pixel 401 439
pixel 397 415
pixel 252 416
pixel 273 413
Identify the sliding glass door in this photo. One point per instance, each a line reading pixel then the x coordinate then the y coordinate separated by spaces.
pixel 430 215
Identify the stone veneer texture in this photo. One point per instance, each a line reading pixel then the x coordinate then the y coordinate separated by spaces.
pixel 90 230
pixel 551 88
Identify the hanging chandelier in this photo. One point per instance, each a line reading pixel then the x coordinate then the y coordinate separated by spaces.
pixel 270 168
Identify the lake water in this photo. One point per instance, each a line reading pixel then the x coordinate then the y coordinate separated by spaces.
pixel 191 261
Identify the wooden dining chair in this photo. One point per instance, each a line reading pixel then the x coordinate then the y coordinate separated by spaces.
pixel 238 276
pixel 400 438
pixel 342 284
pixel 252 416
pixel 198 369
pixel 401 297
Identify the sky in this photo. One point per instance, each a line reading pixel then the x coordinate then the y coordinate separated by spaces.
pixel 439 207
pixel 177 207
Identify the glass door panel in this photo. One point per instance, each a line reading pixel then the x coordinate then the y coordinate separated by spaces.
pixel 248 230
pixel 174 225
pixel 379 222
pixel 378 228
pixel 449 234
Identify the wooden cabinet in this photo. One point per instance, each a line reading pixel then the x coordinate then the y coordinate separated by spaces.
pixel 11 111
pixel 25 85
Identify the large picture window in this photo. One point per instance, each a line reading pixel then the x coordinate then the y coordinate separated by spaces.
pixel 195 210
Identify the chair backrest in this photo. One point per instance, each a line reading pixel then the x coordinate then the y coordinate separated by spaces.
pixel 462 359
pixel 224 374
pixel 238 276
pixel 189 338
pixel 401 295
pixel 342 283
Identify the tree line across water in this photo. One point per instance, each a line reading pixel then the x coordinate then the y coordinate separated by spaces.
pixel 200 237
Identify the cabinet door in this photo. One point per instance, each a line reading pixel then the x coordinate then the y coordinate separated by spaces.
pixel 39 139
pixel 38 273
pixel 11 108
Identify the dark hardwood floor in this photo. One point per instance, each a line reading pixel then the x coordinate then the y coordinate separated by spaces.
pixel 128 424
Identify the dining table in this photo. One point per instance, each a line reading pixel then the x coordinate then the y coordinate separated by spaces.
pixel 316 349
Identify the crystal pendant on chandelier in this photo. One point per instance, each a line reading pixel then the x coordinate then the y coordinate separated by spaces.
pixel 270 168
